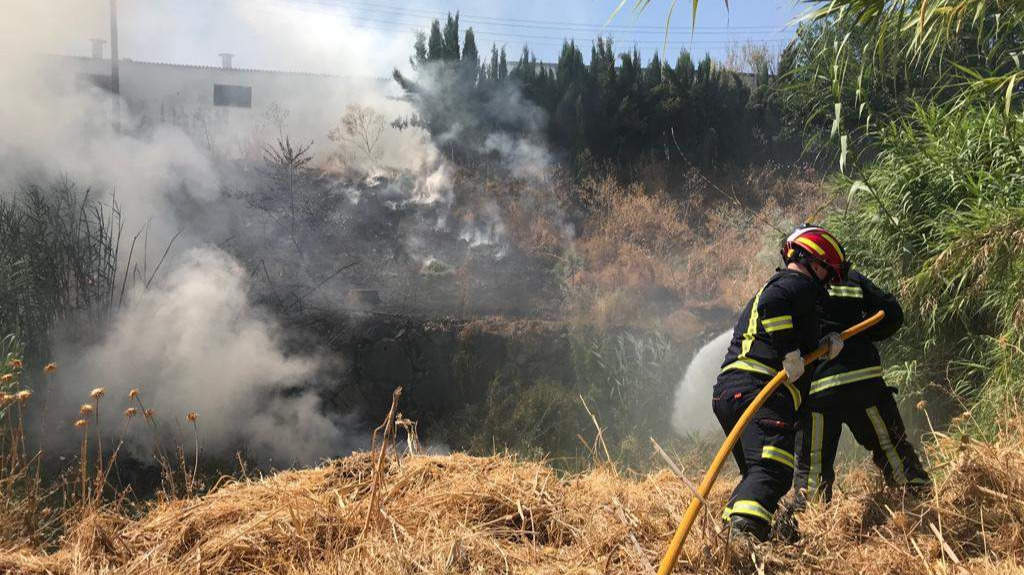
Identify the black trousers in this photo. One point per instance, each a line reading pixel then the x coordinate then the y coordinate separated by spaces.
pixel 876 424
pixel 764 452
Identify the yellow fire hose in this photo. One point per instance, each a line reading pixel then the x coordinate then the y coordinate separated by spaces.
pixel 669 560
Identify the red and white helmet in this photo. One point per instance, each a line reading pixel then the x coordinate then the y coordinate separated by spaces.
pixel 815 243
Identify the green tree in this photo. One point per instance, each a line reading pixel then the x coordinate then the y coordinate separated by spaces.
pixel 435 46
pixel 450 40
pixel 469 53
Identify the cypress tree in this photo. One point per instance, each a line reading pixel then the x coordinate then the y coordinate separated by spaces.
pixel 420 50
pixel 652 75
pixel 451 38
pixel 611 109
pixel 492 71
pixel 435 46
pixel 469 53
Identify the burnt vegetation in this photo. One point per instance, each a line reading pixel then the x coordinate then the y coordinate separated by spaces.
pixel 539 286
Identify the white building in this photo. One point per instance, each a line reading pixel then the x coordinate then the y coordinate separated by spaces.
pixel 230 109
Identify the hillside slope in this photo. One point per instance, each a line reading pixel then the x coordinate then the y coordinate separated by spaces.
pixel 462 514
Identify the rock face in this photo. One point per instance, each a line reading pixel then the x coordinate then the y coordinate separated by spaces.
pixel 443 364
pixel 487 383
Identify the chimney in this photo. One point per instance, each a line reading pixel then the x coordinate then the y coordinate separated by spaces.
pixel 225 60
pixel 97 47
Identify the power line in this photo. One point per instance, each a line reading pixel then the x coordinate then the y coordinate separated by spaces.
pixel 560 39
pixel 388 24
pixel 488 29
pixel 464 17
pixel 391 19
pixel 322 6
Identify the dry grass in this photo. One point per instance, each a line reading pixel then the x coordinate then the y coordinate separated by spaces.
pixel 462 514
pixel 647 259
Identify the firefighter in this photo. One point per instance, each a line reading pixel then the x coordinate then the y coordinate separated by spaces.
pixel 849 389
pixel 775 329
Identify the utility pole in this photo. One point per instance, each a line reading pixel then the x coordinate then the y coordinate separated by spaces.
pixel 115 73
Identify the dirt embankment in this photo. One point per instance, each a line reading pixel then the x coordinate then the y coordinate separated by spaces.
pixel 477 383
pixel 446 363
pixel 461 514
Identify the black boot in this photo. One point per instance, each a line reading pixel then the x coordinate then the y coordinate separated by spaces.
pixel 786 527
pixel 745 534
pixel 748 527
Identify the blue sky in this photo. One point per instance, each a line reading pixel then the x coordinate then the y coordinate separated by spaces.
pixel 372 37
pixel 543 24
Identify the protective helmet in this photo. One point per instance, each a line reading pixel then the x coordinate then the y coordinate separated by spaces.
pixel 809 242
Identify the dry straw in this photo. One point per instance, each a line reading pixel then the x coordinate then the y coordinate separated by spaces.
pixel 453 514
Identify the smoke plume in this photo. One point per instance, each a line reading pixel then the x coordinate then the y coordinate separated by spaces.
pixel 692 409
pixel 194 343
pixel 197 338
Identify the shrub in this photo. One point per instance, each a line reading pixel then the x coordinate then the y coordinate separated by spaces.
pixel 939 216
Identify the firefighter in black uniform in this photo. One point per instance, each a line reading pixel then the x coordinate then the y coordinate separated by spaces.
pixel 775 329
pixel 849 389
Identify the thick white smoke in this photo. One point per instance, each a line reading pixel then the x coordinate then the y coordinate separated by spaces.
pixel 692 408
pixel 195 344
pixel 192 341
pixel 526 159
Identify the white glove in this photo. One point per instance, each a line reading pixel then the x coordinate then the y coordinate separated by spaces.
pixel 793 363
pixel 834 343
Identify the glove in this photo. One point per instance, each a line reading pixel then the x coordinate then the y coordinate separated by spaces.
pixel 834 343
pixel 793 363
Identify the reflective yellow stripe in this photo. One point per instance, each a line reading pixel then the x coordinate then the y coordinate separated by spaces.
pixel 747 364
pixel 748 336
pixel 854 376
pixel 777 454
pixel 778 323
pixel 846 291
pixel 726 513
pixel 810 244
pixel 831 240
pixel 751 507
pixel 755 366
pixel 885 442
pixel 817 441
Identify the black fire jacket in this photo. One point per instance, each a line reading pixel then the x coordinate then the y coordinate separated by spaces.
pixel 857 372
pixel 781 317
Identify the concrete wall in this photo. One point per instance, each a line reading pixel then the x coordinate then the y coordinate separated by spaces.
pixel 302 106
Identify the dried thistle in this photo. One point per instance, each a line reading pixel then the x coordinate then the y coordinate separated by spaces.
pixel 23 395
pixel 193 418
pixel 50 368
pixel 15 363
pixel 921 405
pixel 148 413
pixel 6 378
pixel 81 423
pixel 86 409
pixel 130 412
pixel 97 393
pixel 134 393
